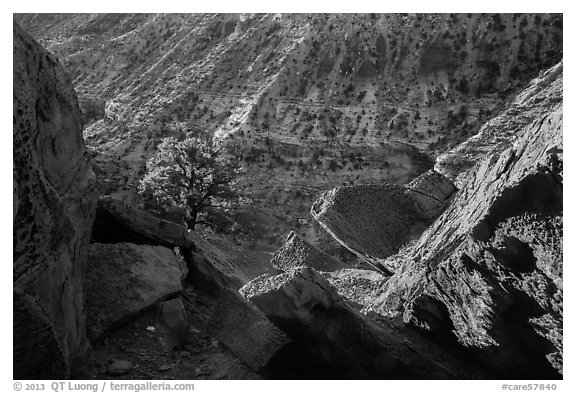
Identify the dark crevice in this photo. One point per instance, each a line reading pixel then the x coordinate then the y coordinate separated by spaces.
pixel 538 193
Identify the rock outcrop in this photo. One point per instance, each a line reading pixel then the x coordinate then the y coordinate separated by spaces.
pixel 54 202
pixel 214 267
pixel 489 270
pixel 309 309
pixel 296 252
pixel 214 263
pixel 124 280
pixel 479 294
pixel 499 133
pixel 358 286
pixel 375 221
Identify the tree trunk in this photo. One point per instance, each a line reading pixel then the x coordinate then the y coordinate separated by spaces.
pixel 191 220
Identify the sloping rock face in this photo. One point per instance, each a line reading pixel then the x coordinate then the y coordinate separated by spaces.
pixel 358 286
pixel 214 267
pixel 296 252
pixel 490 268
pixel 499 133
pixel 309 309
pixel 245 330
pixel 54 203
pixel 123 280
pixel 375 221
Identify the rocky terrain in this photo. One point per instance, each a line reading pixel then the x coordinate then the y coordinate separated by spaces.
pixel 479 293
pixel 313 100
pixel 457 271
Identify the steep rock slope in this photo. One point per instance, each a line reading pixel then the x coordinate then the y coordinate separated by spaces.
pixel 488 272
pixel 309 309
pixel 54 205
pixel 498 134
pixel 315 101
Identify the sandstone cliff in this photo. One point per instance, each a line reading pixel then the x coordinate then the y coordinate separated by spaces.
pixel 54 206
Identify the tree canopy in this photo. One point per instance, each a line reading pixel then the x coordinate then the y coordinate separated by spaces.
pixel 194 178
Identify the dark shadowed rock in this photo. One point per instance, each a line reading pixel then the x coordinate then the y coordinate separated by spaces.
pixel 123 280
pixel 309 309
pixel 119 367
pixel 489 270
pixel 245 330
pixel 375 221
pixel 37 350
pixel 172 324
pixel 296 252
pixel 118 222
pixel 53 212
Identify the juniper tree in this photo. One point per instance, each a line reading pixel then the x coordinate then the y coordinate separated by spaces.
pixel 194 178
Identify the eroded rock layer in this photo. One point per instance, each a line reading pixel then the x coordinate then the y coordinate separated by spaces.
pixel 54 205
pixel 296 252
pixel 489 270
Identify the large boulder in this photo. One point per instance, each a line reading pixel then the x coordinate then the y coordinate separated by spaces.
pixel 216 264
pixel 487 275
pixel 375 221
pixel 245 330
pixel 309 309
pixel 53 202
pixel 296 252
pixel 124 280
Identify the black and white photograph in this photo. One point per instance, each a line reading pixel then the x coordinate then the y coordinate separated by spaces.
pixel 288 196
